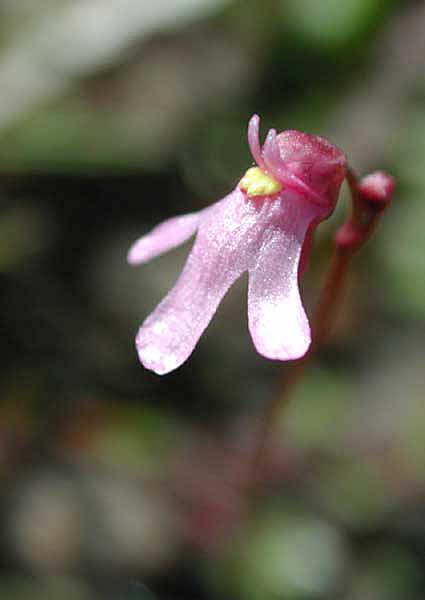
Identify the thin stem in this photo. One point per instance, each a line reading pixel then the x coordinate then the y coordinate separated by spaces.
pixel 330 296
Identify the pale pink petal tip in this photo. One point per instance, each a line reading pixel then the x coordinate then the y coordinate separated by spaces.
pixel 219 256
pixel 277 320
pixel 164 237
pixel 153 359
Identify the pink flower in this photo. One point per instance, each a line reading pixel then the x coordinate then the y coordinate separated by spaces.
pixel 263 226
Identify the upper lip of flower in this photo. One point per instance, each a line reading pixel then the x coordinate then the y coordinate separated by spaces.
pixel 268 158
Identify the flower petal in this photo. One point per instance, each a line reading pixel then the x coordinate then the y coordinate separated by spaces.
pixel 254 140
pixel 313 160
pixel 224 248
pixel 277 321
pixel 164 237
pixel 278 168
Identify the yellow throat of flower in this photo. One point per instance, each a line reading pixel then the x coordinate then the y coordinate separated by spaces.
pixel 257 183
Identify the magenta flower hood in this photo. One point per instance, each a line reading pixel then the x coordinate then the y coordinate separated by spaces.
pixel 263 226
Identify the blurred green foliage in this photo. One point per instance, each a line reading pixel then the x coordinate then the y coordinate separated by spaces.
pixel 111 119
pixel 332 25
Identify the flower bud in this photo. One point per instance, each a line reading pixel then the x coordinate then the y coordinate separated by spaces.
pixel 377 188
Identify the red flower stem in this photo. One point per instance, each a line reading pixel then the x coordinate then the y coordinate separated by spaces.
pixel 367 208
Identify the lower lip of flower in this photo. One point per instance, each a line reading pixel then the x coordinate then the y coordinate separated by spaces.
pixel 256 182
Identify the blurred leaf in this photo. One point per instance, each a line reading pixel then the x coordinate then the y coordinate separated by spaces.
pixel 78 39
pixel 216 157
pixel 402 241
pixel 283 554
pixel 317 417
pixel 385 573
pixel 132 437
pixel 147 114
pixel 332 23
pixel 137 591
pixel 27 232
pixel 48 588
pixel 356 492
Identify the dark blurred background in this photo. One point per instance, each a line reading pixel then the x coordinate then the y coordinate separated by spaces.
pixel 119 484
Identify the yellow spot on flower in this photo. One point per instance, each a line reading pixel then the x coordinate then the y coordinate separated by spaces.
pixel 257 183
